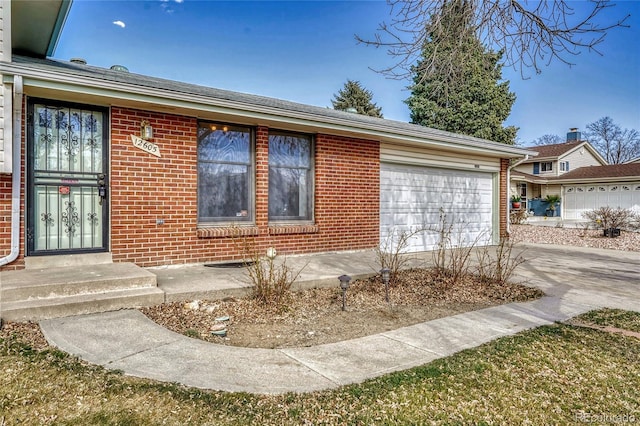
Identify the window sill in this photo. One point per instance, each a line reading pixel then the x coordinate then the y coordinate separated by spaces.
pixel 293 229
pixel 227 231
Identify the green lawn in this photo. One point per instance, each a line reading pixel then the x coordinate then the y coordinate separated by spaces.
pixel 555 374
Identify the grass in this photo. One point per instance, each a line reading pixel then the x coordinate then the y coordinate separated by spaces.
pixel 549 375
pixel 613 318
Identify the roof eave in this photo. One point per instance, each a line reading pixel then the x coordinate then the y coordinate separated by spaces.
pixel 58 26
pixel 153 96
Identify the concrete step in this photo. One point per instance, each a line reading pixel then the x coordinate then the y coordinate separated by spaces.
pixel 33 284
pixel 79 304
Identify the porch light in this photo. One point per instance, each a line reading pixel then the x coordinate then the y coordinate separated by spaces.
pixel 344 285
pixel 386 273
pixel 146 131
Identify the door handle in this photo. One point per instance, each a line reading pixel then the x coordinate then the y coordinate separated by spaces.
pixel 102 187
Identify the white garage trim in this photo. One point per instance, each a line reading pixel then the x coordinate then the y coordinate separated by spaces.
pixel 435 158
pixel 411 198
pixel 578 199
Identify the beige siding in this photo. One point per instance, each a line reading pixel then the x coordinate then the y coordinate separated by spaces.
pixel 3 165
pixel 2 153
pixel 524 168
pixel 581 158
pixel 528 168
pixel 550 190
pixel 435 158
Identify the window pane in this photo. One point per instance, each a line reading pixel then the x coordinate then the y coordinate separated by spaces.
pixel 232 145
pixel 289 193
pixel 223 191
pixel 225 176
pixel 289 150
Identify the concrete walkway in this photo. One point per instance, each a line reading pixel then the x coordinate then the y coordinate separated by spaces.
pixel 575 280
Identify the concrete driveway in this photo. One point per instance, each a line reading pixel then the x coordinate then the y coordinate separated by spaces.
pixel 584 275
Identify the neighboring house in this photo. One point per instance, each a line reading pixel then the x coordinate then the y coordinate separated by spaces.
pixel 159 172
pixel 635 160
pixel 578 175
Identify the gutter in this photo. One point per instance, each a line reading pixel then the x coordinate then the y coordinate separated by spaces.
pixel 526 157
pixel 15 139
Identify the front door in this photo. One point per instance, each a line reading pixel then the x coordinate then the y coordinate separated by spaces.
pixel 67 147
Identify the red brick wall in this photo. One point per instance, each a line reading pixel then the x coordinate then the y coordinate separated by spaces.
pixel 145 188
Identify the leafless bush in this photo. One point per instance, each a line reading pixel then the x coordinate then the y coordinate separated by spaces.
pixel 585 229
pixel 270 275
pixel 518 217
pixel 498 267
pixel 452 255
pixel 607 217
pixel 390 251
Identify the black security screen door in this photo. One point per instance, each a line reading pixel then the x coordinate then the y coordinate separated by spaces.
pixel 67 161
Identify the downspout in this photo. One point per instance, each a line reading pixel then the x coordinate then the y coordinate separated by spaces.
pixel 526 157
pixel 16 141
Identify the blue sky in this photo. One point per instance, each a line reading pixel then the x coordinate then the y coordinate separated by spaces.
pixel 304 51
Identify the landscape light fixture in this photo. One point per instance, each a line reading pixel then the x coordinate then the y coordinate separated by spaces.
pixel 271 253
pixel 146 131
pixel 344 285
pixel 386 272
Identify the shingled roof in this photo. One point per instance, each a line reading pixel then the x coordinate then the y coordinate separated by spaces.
pixel 599 172
pixel 230 100
pixel 555 150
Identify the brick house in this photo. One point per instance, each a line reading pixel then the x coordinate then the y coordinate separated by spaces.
pixel 138 169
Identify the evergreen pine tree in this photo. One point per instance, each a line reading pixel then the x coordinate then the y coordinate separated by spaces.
pixel 460 89
pixel 353 95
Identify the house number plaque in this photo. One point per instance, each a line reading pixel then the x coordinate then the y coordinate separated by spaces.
pixel 146 146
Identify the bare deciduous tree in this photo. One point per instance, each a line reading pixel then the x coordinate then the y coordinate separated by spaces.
pixel 530 34
pixel 615 144
pixel 547 139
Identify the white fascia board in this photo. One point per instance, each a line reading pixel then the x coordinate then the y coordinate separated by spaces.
pixel 152 96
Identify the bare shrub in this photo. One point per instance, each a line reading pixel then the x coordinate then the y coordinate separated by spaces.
pixel 452 255
pixel 585 229
pixel 498 267
pixel 270 275
pixel 390 253
pixel 607 217
pixel 518 217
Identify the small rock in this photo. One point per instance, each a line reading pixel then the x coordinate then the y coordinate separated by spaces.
pixel 194 306
pixel 218 327
pixel 210 308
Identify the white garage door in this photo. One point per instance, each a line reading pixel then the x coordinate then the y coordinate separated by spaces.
pixel 411 198
pixel 578 199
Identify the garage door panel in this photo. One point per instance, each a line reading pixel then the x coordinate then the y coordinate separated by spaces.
pixel 412 198
pixel 581 198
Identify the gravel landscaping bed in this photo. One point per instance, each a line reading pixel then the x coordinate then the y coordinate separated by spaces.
pixel 627 241
pixel 315 316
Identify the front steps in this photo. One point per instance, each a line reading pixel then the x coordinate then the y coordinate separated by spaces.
pixel 36 294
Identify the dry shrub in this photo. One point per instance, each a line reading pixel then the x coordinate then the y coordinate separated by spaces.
pixel 270 275
pixel 607 217
pixel 498 268
pixel 452 255
pixel 390 252
pixel 518 217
